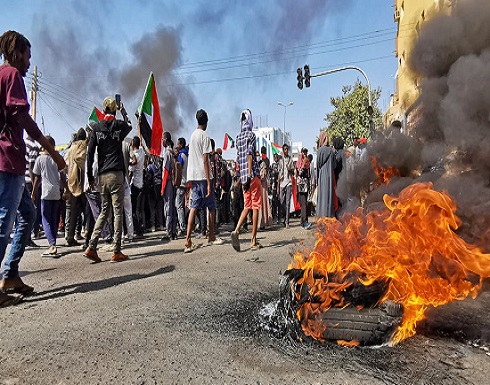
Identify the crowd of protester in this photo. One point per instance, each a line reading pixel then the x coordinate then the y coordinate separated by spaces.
pixel 108 188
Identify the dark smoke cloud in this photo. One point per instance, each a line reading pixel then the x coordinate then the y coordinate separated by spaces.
pixel 96 73
pixel 450 134
pixel 66 62
pixel 258 26
pixel 161 53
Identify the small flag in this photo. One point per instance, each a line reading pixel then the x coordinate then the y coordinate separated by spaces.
pixel 150 122
pixel 96 115
pixel 276 149
pixel 229 142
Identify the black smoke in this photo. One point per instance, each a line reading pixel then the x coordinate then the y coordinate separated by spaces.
pixel 160 52
pixel 449 142
pixel 81 76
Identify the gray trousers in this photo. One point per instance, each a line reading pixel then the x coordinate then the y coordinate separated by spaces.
pixel 112 194
pixel 180 207
pixel 285 196
pixel 169 208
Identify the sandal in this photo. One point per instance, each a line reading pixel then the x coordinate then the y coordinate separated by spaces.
pixel 9 300
pixel 24 290
pixel 217 241
pixel 235 242
pixel 190 249
pixel 257 246
pixel 15 285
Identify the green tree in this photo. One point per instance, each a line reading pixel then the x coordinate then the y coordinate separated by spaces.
pixel 350 118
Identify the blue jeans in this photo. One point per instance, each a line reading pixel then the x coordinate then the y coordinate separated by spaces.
pixel 15 202
pixel 50 211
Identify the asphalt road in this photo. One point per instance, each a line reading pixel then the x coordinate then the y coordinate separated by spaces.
pixel 165 317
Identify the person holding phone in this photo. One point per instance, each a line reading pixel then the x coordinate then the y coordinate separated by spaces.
pixel 107 139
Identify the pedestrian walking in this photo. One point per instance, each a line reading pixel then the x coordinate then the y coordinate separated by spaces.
pixel 46 171
pixel 15 200
pixel 250 178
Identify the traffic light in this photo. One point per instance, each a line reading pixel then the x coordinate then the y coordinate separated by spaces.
pixel 300 78
pixel 307 75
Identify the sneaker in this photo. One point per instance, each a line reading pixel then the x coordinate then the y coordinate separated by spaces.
pixel 257 246
pixel 138 237
pixel 235 242
pixel 79 237
pixel 119 257
pixel 180 233
pixel 127 239
pixel 32 244
pixel 199 236
pixel 92 255
pixel 306 225
pixel 72 243
pixel 174 236
pixel 165 238
pixel 217 241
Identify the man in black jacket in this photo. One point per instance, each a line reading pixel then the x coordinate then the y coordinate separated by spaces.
pixel 107 138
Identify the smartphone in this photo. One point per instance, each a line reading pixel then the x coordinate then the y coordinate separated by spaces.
pixel 118 100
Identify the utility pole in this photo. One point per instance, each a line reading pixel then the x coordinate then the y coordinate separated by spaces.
pixel 284 125
pixel 34 94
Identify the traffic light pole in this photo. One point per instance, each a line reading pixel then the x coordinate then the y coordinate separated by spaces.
pixel 349 68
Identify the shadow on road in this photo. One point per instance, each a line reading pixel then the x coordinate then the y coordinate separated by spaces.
pixel 86 287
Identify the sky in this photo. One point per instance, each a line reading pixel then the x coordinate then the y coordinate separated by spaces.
pixel 218 55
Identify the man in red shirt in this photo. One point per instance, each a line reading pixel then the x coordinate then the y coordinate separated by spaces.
pixel 15 201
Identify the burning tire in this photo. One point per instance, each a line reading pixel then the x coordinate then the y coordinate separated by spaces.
pixel 366 326
pixel 362 322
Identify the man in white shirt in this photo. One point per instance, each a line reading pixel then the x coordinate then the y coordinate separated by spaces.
pixel 198 173
pixel 285 184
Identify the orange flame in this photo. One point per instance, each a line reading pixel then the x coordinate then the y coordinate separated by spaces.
pixel 348 343
pixel 384 174
pixel 411 244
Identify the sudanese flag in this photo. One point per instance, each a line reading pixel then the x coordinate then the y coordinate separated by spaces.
pixel 150 122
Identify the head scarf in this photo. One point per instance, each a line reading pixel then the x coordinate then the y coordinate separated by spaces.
pixel 323 139
pixel 246 120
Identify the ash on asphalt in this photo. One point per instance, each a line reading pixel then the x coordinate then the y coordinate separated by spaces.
pixel 426 358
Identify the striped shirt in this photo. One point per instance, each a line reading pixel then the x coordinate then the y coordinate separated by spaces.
pixel 32 152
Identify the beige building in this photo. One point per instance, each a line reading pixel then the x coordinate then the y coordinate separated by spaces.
pixel 410 15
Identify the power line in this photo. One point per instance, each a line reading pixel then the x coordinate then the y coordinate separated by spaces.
pixel 56 112
pixel 59 89
pixel 292 52
pixel 69 103
pixel 247 64
pixel 270 75
pixel 387 31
